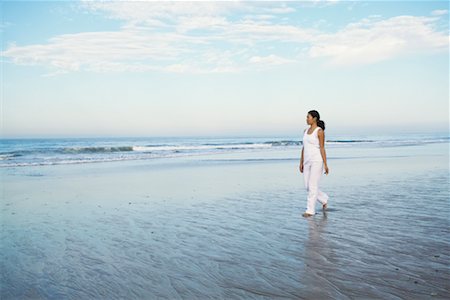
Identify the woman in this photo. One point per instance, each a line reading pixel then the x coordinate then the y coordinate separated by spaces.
pixel 313 161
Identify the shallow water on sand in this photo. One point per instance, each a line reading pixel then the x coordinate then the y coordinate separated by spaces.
pixel 229 227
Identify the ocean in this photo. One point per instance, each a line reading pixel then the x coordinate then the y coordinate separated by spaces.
pixel 51 151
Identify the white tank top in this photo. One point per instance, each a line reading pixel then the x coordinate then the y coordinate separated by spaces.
pixel 311 146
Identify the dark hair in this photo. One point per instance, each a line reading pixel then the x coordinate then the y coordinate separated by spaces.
pixel 315 114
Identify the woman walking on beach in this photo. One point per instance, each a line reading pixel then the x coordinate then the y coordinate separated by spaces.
pixel 313 161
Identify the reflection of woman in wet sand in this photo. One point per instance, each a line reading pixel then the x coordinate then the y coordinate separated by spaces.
pixel 321 275
pixel 313 161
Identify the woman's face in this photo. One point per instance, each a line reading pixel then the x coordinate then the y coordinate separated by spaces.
pixel 309 119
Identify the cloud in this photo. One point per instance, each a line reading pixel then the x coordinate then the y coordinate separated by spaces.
pixel 166 12
pixel 270 60
pixel 92 50
pixel 439 12
pixel 164 36
pixel 4 25
pixel 370 41
pixel 225 36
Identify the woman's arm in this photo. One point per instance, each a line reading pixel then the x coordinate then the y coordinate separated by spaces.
pixel 321 135
pixel 301 157
pixel 300 166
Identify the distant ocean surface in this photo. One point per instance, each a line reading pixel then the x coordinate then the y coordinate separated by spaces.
pixel 53 151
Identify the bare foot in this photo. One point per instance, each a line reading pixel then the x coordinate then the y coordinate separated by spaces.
pixel 307 215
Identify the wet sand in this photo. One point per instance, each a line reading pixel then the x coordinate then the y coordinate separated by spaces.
pixel 229 227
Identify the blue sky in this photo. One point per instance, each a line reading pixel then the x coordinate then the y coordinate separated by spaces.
pixel 181 68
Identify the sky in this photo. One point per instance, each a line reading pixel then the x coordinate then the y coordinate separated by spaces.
pixel 222 68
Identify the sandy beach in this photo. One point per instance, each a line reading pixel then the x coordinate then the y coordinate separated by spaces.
pixel 229 226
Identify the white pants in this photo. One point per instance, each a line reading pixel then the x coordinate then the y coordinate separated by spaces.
pixel 312 172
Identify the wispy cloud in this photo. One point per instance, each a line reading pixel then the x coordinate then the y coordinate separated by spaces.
pixel 4 25
pixel 439 12
pixel 270 60
pixel 226 36
pixel 373 39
